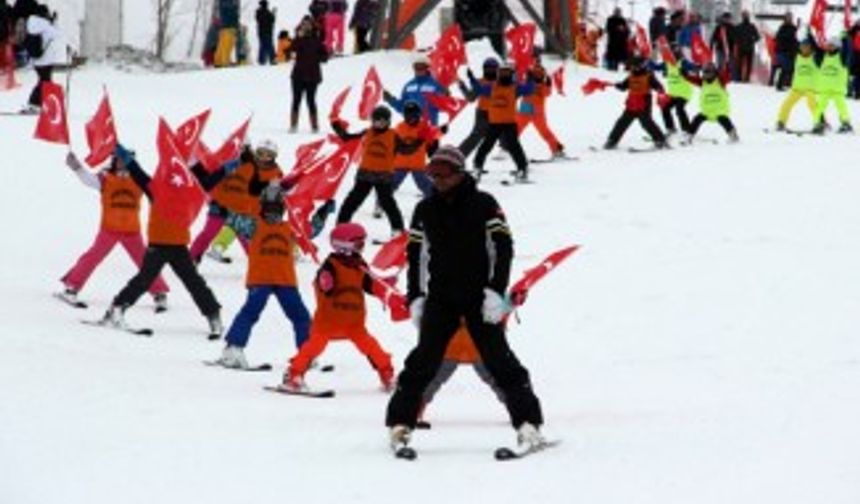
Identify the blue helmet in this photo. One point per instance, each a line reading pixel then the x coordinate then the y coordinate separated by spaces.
pixel 491 63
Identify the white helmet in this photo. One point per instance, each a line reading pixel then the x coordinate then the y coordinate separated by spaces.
pixel 268 145
pixel 421 59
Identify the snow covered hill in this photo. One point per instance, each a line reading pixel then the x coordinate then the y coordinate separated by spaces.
pixel 701 347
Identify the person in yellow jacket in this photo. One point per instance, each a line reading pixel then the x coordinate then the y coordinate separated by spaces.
pixel 832 85
pixel 713 102
pixel 803 84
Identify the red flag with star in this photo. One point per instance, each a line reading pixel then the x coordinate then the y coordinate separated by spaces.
pixel 101 134
pixel 230 150
pixel 531 276
pixel 176 195
pixel 53 125
pixel 371 93
pixel 450 105
pixel 522 43
pixel 188 134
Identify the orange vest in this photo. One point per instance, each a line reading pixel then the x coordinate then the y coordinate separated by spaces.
pixel 484 101
pixel 378 151
pixel 270 255
pixel 120 204
pixel 418 159
pixel 503 104
pixel 538 98
pixel 232 192
pixel 162 231
pixel 461 348
pixel 342 309
pixel 267 173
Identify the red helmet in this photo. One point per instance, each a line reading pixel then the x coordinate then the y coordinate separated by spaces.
pixel 348 238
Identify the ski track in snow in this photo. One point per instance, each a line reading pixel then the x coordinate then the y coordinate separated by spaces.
pixel 700 347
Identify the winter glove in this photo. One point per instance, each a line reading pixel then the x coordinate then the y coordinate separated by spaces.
pixel 247 155
pixel 123 154
pixel 388 97
pixel 495 307
pixel 416 311
pixel 73 162
pixel 243 225
pixel 470 75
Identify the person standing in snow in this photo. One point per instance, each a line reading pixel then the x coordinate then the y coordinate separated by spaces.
pixel 333 25
pixel 679 90
pixel 310 53
pixel 832 84
pixel 265 31
pixel 362 23
pixel 229 12
pixel 470 251
pixel 786 51
pixel 46 49
pixel 713 101
pixel 120 223
pixel 639 85
pixel 532 109
pixel 746 38
pixel 803 84
pixel 423 83
pixel 617 37
pixel 168 244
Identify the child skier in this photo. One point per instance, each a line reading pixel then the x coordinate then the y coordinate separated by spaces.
pixel 168 244
pixel 639 84
pixel 679 90
pixel 414 128
pixel 271 271
pixel 713 102
pixel 380 145
pixel 340 285
pixel 803 84
pixel 532 109
pixel 232 194
pixel 490 70
pixel 120 223
pixel 502 117
pixel 832 86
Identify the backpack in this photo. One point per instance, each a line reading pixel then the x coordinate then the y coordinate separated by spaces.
pixel 34 46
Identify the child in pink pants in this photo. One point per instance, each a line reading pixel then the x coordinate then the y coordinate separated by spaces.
pixel 120 223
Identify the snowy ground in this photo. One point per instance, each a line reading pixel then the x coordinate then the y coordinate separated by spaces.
pixel 701 347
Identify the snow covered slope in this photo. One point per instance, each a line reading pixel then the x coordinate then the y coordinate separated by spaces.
pixel 701 347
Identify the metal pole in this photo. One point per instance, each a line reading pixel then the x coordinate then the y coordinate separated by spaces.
pixel 413 22
pixel 393 14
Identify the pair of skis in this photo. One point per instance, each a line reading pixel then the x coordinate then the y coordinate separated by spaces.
pixel 502 454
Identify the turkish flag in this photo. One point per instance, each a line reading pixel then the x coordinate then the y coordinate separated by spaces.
pixel 333 169
pixel 390 297
pixel 450 105
pixel 337 105
pixel 593 85
pixel 53 125
pixel 558 80
pixel 176 196
pixel 442 68
pixel 371 93
pixel 7 68
pixel 642 44
pixel 101 134
pixel 189 133
pixel 770 44
pixel 298 215
pixel 816 19
pixel 230 150
pixel 522 42
pixel 665 50
pixel 306 155
pixel 451 45
pixel 700 51
pixel 392 254
pixel 531 276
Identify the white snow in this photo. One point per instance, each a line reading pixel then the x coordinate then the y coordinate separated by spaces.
pixel 701 347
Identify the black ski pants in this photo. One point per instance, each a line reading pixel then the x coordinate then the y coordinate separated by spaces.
pixel 508 135
pixel 479 131
pixel 309 90
pixel 44 73
pixel 645 120
pixel 364 183
pixel 678 106
pixel 179 258
pixel 700 119
pixel 439 323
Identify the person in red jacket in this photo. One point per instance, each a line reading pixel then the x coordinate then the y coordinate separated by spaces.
pixel 639 84
pixel 340 285
pixel 120 223
pixel 533 109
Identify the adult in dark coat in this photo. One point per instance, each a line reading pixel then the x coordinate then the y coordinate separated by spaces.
pixel 265 33
pixel 746 38
pixel 310 53
pixel 618 35
pixel 723 41
pixel 657 25
pixel 362 22
pixel 786 51
pixel 676 22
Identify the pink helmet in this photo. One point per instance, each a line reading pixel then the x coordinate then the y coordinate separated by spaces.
pixel 348 238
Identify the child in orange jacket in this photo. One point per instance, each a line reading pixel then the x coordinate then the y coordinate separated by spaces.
pixel 340 285
pixel 532 109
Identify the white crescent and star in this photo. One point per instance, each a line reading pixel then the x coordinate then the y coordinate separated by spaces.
pixel 54 109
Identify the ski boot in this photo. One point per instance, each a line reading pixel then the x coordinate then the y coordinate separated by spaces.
pixel 233 357
pixel 529 438
pixel 294 122
pixel 521 177
pixel 610 145
pixel 398 438
pixel 377 211
pixel 818 129
pixel 114 317
pixel 216 328
pixel 687 139
pixel 216 253
pixel 294 382
pixel 69 294
pixel 733 136
pixel 780 126
pixel 661 144
pixel 160 302
pixel 845 128
pixel 558 153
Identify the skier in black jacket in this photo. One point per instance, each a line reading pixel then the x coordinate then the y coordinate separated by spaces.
pixel 458 226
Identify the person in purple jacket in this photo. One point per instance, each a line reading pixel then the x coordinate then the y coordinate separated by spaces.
pixel 310 53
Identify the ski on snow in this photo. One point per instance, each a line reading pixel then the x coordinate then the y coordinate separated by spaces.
pixel 73 303
pixel 319 394
pixel 557 159
pixel 146 331
pixel 259 367
pixel 505 453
